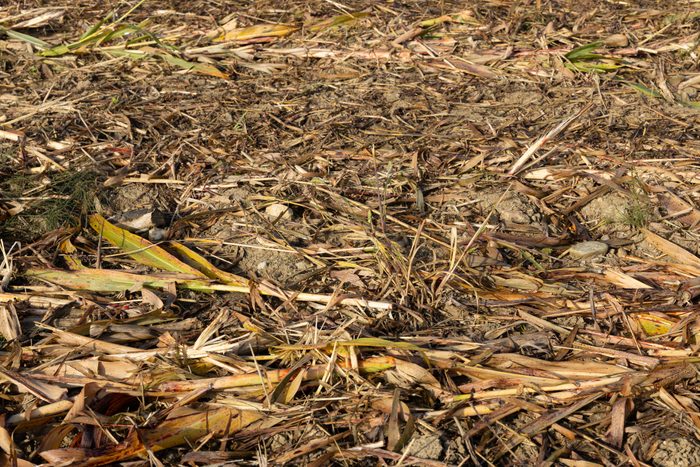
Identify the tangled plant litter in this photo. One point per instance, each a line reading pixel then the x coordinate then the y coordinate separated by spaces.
pixel 411 302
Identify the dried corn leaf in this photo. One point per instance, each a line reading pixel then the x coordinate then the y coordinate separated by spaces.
pixel 121 370
pixel 408 374
pixel 44 391
pixel 175 431
pixel 570 370
pixel 379 343
pixel 40 414
pixel 110 280
pixel 670 249
pixel 197 261
pixel 654 324
pixel 6 443
pixel 623 280
pixel 76 340
pixel 10 327
pixel 272 377
pixel 38 43
pixel 679 209
pixel 40 20
pixel 199 68
pixel 146 319
pixel 259 31
pixel 6 459
pixel 616 432
pixel 681 404
pixel 69 255
pixel 55 437
pixel 139 248
pixel 554 416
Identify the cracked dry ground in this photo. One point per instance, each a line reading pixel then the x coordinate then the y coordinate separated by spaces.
pixel 384 204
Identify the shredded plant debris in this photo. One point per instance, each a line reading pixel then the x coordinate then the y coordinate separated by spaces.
pixel 349 233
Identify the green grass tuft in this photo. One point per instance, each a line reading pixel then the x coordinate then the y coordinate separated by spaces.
pixel 638 213
pixel 67 197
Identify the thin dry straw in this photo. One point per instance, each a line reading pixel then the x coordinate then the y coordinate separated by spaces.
pixel 543 139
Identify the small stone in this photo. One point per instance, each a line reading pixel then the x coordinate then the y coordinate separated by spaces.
pixel 585 250
pixel 278 211
pixel 617 40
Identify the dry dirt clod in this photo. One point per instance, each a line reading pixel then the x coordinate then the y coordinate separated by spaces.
pixel 606 212
pixel 279 211
pixel 132 197
pixel 512 208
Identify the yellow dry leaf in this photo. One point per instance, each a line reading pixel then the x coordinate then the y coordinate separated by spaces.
pixel 69 251
pixel 113 280
pixel 654 324
pixel 197 261
pixel 258 31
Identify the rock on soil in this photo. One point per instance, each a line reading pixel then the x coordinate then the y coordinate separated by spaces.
pixel 586 250
pixel 278 211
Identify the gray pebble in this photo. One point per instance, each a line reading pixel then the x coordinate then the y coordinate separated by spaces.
pixel 585 250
